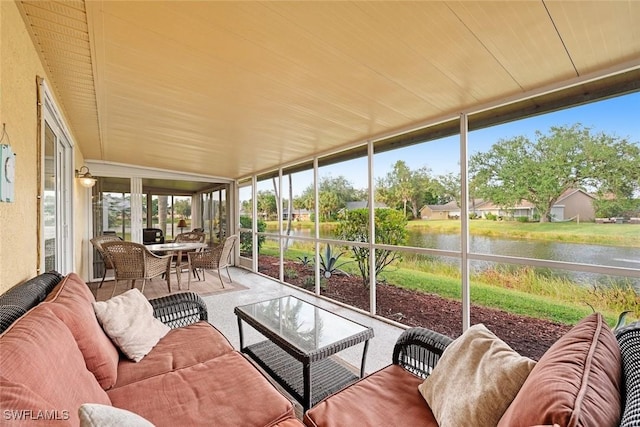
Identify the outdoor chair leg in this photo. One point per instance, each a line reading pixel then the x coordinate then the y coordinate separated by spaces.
pixel 103 276
pixel 115 285
pixel 142 289
pixel 228 274
pixel 220 276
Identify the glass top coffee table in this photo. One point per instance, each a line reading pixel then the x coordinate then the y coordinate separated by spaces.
pixel 300 339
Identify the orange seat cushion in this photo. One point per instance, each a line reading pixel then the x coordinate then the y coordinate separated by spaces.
pixel 71 301
pixel 180 348
pixel 576 382
pixel 389 397
pixel 39 353
pixel 225 391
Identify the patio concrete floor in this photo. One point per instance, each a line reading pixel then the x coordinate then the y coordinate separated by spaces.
pixel 248 287
pixel 260 288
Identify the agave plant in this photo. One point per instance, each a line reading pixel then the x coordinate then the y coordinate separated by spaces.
pixel 329 263
pixel 305 260
pixel 621 320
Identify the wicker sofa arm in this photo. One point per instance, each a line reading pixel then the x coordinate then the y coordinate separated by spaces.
pixel 21 298
pixel 629 341
pixel 418 350
pixel 179 309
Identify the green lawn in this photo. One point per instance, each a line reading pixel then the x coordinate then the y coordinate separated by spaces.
pixel 549 299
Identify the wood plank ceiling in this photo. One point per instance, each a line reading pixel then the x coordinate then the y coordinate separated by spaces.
pixel 231 88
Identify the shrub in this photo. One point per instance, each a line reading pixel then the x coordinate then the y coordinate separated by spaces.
pixel 290 273
pixel 522 219
pixel 309 283
pixel 390 229
pixel 490 216
pixel 246 241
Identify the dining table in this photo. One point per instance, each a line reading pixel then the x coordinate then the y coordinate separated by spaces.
pixel 177 248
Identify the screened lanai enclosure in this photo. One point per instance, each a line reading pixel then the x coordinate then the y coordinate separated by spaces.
pixel 311 128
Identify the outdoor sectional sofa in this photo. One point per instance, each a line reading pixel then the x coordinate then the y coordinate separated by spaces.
pixel 51 360
pixel 589 377
pixel 55 357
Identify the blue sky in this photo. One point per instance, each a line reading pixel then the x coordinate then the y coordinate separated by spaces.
pixel 617 116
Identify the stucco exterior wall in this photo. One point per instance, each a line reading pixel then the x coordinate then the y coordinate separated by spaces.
pixel 428 213
pixel 19 67
pixel 579 204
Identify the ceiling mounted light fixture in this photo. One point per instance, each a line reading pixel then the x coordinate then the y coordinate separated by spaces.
pixel 85 177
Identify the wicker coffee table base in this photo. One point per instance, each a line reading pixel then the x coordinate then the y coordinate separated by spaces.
pixel 327 375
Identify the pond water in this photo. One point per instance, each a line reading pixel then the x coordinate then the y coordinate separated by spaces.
pixel 611 256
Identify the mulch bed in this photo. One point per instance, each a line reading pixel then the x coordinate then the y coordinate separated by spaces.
pixel 528 336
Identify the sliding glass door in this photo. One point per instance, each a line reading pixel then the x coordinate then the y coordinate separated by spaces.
pixel 57 183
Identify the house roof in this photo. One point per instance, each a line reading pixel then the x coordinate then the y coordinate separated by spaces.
pixel 360 204
pixel 525 204
pixel 230 89
pixel 522 204
pixel 450 206
pixel 285 211
pixel 570 192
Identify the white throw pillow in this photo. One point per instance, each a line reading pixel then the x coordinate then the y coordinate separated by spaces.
pixel 96 415
pixel 128 320
pixel 475 380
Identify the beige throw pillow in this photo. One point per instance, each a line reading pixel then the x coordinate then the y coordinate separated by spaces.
pixel 128 320
pixel 475 380
pixel 96 415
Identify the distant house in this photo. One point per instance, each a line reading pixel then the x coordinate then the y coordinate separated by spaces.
pixel 296 214
pixel 523 208
pixel 574 203
pixel 448 210
pixel 571 204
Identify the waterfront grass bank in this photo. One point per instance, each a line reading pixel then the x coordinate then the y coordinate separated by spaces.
pixel 519 291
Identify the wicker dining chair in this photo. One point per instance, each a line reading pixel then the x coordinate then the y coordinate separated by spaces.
pixel 190 236
pixel 97 243
pixel 216 258
pixel 133 261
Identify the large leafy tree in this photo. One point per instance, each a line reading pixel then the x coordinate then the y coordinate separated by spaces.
pixel 183 208
pixel 566 157
pixel 333 193
pixel 448 188
pixel 406 189
pixel 267 204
